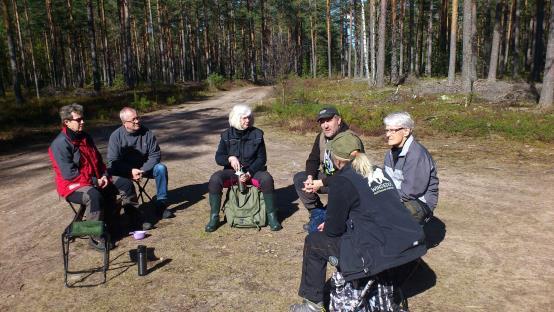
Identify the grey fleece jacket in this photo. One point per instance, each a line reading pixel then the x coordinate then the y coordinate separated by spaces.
pixel 132 150
pixel 414 174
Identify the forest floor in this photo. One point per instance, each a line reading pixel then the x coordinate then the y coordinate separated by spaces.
pixel 494 227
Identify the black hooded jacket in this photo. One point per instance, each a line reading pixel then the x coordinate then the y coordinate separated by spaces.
pixel 377 232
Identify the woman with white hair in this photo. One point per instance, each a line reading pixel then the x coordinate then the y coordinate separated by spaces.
pixel 366 227
pixel 411 167
pixel 241 148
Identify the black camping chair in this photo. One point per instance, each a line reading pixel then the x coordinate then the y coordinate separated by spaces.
pixel 84 229
pixel 142 189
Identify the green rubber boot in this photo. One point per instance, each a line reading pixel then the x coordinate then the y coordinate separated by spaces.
pixel 271 212
pixel 215 204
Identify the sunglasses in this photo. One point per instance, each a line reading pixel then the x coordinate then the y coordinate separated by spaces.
pixel 78 120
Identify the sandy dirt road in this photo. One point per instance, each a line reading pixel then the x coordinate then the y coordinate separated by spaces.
pixel 494 229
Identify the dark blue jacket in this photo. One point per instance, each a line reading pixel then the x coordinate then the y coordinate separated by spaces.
pixel 380 233
pixel 247 145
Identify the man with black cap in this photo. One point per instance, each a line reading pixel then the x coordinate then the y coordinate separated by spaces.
pixel 319 166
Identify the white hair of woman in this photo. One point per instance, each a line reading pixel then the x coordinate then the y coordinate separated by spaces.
pixel 400 119
pixel 237 112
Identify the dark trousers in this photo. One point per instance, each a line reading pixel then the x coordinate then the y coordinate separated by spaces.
pixel 93 199
pixel 98 201
pixel 225 177
pixel 317 249
pixel 310 200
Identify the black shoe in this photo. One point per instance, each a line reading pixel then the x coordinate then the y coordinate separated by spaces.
pixel 167 214
pixel 161 207
pixel 146 226
pixel 307 306
pixel 98 244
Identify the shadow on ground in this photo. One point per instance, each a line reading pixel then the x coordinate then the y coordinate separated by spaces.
pixel 285 198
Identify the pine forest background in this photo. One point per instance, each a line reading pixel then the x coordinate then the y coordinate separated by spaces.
pixel 66 44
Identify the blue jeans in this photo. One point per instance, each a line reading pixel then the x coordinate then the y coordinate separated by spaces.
pixel 159 173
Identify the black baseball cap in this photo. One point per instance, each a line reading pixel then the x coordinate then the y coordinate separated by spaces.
pixel 327 112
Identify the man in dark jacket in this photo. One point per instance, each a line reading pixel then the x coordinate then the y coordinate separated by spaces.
pixel 319 166
pixel 80 173
pixel 366 227
pixel 134 153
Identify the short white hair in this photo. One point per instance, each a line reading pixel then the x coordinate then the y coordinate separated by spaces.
pixel 237 112
pixel 402 119
pixel 124 111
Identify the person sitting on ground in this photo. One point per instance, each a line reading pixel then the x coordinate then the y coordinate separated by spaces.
pixel 80 173
pixel 241 148
pixel 319 166
pixel 134 153
pixel 366 227
pixel 411 167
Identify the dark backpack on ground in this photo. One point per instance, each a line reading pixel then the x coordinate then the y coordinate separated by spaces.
pixel 245 210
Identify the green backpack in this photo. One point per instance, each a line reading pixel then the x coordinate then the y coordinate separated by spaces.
pixel 245 210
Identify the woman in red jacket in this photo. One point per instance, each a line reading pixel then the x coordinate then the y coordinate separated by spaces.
pixel 81 176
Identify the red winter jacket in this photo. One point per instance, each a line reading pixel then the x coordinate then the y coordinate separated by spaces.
pixel 75 162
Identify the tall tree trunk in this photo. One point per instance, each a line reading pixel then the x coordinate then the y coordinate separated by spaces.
pixel 13 57
pixel 328 15
pixel 453 30
pixel 76 63
pixel 31 47
pixel 252 46
pixel 509 29
pixel 419 40
pixel 106 51
pixel 152 50
pixel 20 44
pixel 364 46
pixel 53 50
pixel 342 40
pixel 493 63
pixel 380 77
pixel 429 40
pixel 467 82
pixel 411 52
pixel 547 93
pixel 394 44
pixel 126 43
pixel 314 42
pixel 443 42
pixel 263 39
pixel 474 39
pixel 182 68
pixel 162 47
pixel 92 39
pixel 372 17
pixel 401 39
pixel 350 35
pixel 516 43
pixel 538 60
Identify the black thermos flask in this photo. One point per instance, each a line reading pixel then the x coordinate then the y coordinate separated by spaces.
pixel 141 260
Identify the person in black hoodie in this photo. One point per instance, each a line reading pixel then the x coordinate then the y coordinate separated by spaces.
pixel 241 148
pixel 366 227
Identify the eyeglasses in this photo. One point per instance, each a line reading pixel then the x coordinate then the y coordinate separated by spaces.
pixel 134 120
pixel 78 120
pixel 393 130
